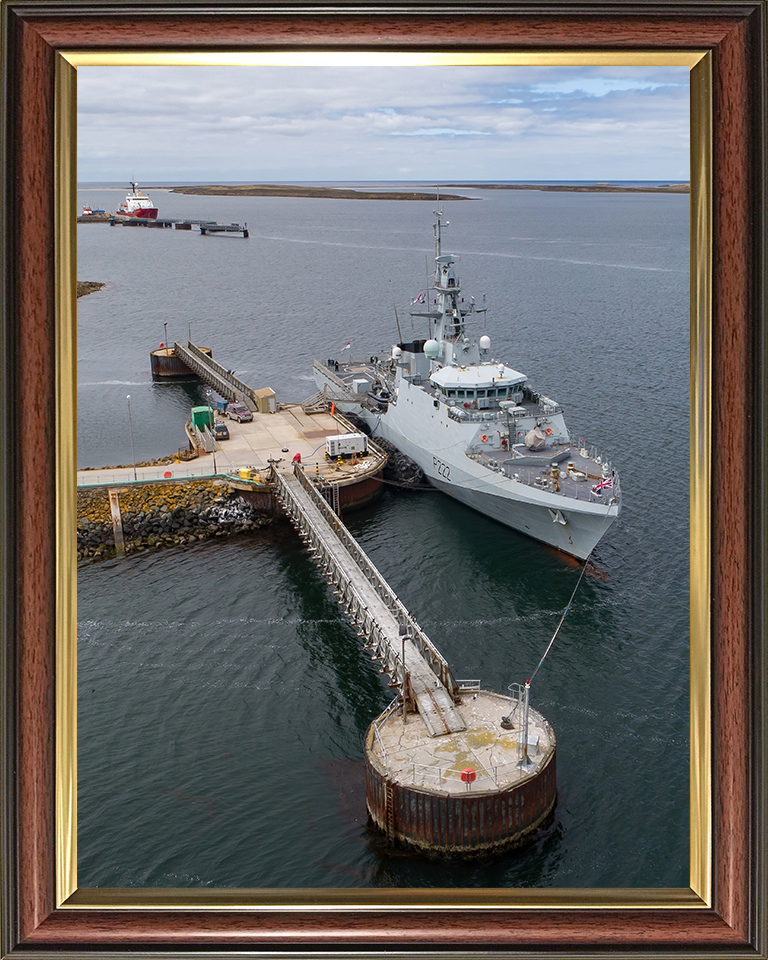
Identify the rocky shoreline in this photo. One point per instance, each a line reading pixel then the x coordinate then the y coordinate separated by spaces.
pixel 84 287
pixel 162 515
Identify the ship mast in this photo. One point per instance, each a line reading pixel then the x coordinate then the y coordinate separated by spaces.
pixel 438 246
pixel 448 312
pixel 450 323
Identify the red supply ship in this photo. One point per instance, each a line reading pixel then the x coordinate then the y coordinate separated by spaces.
pixel 136 206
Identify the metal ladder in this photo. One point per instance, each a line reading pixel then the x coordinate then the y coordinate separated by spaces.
pixel 389 814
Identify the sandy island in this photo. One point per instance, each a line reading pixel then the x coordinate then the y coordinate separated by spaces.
pixel 340 193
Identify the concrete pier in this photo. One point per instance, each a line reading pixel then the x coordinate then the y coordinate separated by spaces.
pixel 268 439
pixel 166 365
pixel 472 792
pixel 168 223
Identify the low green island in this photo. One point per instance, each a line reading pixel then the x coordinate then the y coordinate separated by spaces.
pixel 344 193
pixel 286 190
pixel 606 187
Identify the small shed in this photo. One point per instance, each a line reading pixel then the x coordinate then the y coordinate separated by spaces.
pixel 266 400
pixel 202 417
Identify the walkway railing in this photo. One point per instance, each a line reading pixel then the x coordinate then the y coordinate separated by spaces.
pixel 215 375
pixel 170 472
pixel 427 649
pixel 365 594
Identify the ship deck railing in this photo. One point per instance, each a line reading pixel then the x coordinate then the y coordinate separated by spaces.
pixel 576 490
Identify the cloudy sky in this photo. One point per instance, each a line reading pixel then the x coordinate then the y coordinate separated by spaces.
pixel 279 123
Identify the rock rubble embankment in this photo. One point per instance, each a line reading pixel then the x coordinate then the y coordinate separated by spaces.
pixel 163 515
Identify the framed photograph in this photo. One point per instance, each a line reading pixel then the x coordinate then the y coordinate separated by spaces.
pixel 46 907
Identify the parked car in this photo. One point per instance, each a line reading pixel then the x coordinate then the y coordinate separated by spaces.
pixel 239 412
pixel 220 431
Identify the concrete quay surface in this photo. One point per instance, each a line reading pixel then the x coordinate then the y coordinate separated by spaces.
pixel 272 436
pixel 409 756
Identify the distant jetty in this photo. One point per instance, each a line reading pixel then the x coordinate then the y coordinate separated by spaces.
pixel 344 193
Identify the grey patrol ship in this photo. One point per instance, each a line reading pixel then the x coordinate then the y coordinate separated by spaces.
pixel 477 428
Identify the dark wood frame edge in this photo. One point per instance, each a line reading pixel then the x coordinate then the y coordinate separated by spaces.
pixel 735 925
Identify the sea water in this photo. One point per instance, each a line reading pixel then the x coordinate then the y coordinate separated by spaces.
pixel 224 698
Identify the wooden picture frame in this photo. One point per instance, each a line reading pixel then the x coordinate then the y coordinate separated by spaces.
pixel 41 914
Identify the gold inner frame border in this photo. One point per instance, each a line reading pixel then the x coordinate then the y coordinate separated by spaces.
pixel 699 894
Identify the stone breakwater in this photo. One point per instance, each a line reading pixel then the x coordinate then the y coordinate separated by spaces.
pixel 163 515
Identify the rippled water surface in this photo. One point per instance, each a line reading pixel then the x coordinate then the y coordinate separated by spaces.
pixel 223 698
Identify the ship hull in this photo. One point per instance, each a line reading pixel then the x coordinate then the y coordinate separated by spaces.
pixel 576 537
pixel 428 436
pixel 513 504
pixel 145 213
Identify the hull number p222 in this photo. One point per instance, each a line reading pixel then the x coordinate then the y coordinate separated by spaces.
pixel 443 470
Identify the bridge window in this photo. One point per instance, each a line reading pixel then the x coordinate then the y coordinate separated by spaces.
pixel 481 393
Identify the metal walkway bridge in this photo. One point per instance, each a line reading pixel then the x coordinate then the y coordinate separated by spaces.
pixel 223 381
pixel 393 636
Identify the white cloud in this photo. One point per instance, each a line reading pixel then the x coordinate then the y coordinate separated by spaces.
pixel 597 86
pixel 441 132
pixel 351 123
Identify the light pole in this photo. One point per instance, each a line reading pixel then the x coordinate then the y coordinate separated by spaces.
pixel 404 636
pixel 213 427
pixel 525 762
pixel 130 421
